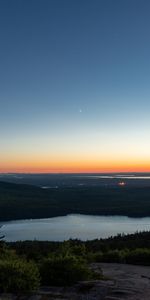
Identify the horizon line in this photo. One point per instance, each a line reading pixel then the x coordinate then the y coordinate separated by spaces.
pixel 65 173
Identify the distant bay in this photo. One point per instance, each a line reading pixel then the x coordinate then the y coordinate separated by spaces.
pixel 75 180
pixel 84 227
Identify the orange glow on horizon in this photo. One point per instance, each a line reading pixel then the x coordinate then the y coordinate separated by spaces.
pixel 76 166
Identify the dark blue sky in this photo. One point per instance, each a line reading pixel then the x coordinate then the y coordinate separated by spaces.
pixel 74 75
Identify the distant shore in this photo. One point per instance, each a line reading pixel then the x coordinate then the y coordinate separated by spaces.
pixel 21 201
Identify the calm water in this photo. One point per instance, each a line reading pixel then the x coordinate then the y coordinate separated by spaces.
pixel 72 226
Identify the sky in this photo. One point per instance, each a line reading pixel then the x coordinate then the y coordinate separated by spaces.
pixel 74 85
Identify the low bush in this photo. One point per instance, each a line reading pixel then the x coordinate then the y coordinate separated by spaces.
pixel 18 276
pixel 98 257
pixel 138 256
pixel 112 256
pixel 63 270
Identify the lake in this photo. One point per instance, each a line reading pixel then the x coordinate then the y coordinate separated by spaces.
pixel 84 227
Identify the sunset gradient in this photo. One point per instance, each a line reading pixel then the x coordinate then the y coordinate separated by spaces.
pixel 75 92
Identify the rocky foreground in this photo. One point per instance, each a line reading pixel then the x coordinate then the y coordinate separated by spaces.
pixel 124 282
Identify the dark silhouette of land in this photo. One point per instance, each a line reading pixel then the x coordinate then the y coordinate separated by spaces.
pixel 21 201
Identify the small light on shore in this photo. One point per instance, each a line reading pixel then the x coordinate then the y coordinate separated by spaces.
pixel 121 183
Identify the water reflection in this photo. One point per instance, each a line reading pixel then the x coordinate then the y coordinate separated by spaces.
pixel 73 226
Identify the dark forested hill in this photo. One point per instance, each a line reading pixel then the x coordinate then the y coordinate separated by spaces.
pixel 19 201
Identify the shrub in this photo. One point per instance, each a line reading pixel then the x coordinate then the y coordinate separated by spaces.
pixel 98 257
pixel 138 256
pixel 63 270
pixel 18 276
pixel 112 256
